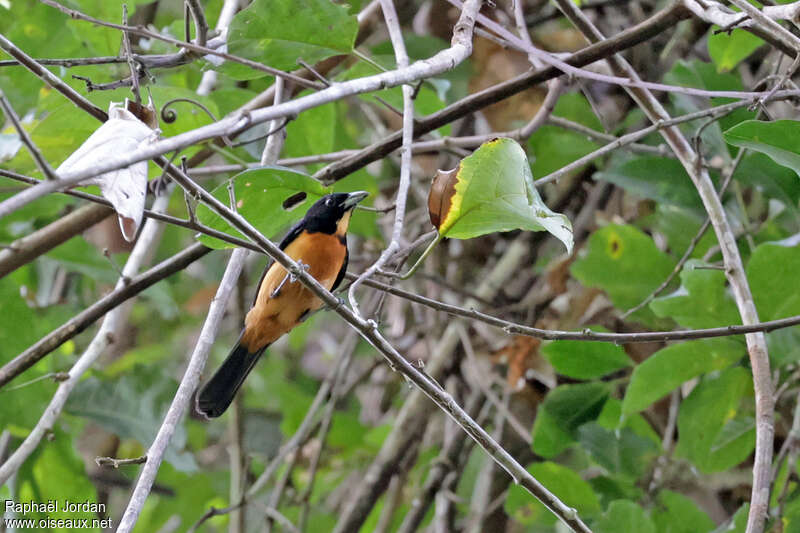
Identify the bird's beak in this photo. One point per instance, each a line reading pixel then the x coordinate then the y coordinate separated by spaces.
pixel 353 198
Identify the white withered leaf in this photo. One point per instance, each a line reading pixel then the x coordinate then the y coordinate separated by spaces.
pixel 125 188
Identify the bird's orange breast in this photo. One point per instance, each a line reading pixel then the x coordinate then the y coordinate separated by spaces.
pixel 275 312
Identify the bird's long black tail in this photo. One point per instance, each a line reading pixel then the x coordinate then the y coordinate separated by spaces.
pixel 217 394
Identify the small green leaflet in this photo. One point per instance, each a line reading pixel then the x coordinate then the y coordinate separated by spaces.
pixel 277 32
pixel 779 139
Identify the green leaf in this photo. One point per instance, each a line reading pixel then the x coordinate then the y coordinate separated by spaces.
pixel 675 513
pixel 657 178
pixel 132 407
pixel 702 301
pixel 613 488
pixel 738 522
pixel 494 192
pixel 784 346
pixel 774 180
pixel 703 416
pixel 618 451
pixel 727 49
pixel 565 483
pixel 779 139
pixel 624 516
pixel 574 405
pixel 260 194
pixel 772 272
pixel 313 132
pixel 553 147
pixel 277 32
pixel 732 431
pixel 625 263
pixel 669 367
pixel 549 438
pixel 586 360
pixel 612 417
pixel 679 225
pixel 53 460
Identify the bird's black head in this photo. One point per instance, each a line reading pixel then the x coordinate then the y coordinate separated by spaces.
pixel 331 213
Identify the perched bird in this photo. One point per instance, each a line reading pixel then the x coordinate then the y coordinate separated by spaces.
pixel 319 244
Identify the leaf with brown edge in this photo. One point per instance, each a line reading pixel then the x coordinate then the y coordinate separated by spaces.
pixel 492 190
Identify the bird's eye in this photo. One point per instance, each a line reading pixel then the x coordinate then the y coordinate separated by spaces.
pixel 329 202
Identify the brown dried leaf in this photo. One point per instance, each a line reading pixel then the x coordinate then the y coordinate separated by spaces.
pixel 441 195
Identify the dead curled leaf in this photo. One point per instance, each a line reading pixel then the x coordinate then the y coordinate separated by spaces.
pixel 129 126
pixel 441 195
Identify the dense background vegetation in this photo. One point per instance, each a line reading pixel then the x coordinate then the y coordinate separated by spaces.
pixel 327 435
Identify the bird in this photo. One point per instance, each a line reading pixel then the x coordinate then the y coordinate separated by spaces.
pixel 318 243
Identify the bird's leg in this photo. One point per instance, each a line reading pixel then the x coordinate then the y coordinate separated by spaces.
pixel 290 277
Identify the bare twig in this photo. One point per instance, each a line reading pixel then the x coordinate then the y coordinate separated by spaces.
pixel 586 334
pixel 209 79
pixel 112 462
pixel 126 41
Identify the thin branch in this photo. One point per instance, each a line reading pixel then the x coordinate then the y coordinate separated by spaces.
pixel 209 79
pixel 586 334
pixel 401 56
pixel 274 144
pixel 200 24
pixel 183 396
pixel 112 462
pixel 69 63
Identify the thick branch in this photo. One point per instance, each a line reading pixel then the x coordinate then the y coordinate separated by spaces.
pixel 26 249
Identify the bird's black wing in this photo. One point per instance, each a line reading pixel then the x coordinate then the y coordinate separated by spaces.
pixel 340 275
